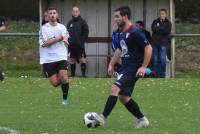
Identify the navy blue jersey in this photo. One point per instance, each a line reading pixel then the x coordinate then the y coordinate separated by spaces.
pixel 132 44
pixel 2 22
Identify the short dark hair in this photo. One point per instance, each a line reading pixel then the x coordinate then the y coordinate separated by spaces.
pixel 52 8
pixel 75 6
pixel 141 23
pixel 125 10
pixel 163 10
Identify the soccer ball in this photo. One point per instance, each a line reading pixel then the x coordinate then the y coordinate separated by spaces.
pixel 88 121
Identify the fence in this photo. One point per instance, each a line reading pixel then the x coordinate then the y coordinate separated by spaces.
pixel 98 57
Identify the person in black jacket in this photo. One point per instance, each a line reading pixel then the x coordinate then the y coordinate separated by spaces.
pixel 2 29
pixel 78 31
pixel 161 29
pixel 45 18
pixel 140 25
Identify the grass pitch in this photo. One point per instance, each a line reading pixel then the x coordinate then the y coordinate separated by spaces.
pixel 32 106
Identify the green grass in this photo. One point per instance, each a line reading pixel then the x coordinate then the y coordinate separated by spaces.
pixel 32 106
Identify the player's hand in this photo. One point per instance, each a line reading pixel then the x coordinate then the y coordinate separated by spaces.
pixel 65 40
pixel 110 70
pixel 141 72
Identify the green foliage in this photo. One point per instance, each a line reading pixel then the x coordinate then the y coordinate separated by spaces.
pixel 187 28
pixel 20 9
pixel 22 26
pixel 20 53
pixel 187 9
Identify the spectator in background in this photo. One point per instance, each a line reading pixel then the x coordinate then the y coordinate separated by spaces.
pixel 78 31
pixel 161 29
pixel 2 29
pixel 45 18
pixel 140 25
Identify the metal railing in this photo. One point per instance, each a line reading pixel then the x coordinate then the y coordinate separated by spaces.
pixel 92 38
pixel 108 40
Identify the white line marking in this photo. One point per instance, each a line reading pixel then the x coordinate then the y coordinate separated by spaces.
pixel 11 131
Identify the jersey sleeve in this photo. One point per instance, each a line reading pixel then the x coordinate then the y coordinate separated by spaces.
pixel 115 41
pixel 42 36
pixel 140 39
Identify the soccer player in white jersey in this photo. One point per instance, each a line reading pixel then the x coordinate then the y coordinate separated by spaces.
pixel 53 42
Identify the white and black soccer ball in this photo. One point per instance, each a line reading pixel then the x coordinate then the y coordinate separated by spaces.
pixel 89 121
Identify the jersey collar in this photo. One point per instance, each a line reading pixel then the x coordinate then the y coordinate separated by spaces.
pixel 127 30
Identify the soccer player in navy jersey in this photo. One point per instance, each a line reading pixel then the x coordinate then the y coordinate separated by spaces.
pixel 135 52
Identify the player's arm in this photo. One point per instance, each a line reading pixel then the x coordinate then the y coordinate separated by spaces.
pixel 147 58
pixel 144 44
pixel 50 42
pixel 154 27
pixel 2 29
pixel 2 26
pixel 85 31
pixel 147 55
pixel 65 35
pixel 115 59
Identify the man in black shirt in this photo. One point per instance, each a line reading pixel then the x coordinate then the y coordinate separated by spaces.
pixel 78 31
pixel 161 29
pixel 2 29
pixel 140 25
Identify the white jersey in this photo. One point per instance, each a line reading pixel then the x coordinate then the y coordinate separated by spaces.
pixel 55 52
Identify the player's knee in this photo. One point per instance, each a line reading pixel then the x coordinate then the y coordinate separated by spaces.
pixel 55 84
pixel 72 61
pixel 114 90
pixel 82 60
pixel 64 79
pixel 124 99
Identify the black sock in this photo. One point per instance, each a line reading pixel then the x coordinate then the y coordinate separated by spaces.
pixel 65 89
pixel 110 104
pixel 83 69
pixel 73 69
pixel 1 76
pixel 133 107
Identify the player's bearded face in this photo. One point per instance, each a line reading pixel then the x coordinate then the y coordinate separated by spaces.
pixel 53 15
pixel 119 20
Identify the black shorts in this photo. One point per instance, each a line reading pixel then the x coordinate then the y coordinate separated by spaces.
pixel 126 80
pixel 53 68
pixel 77 52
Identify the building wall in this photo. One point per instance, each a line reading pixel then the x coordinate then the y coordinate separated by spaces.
pixel 96 13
